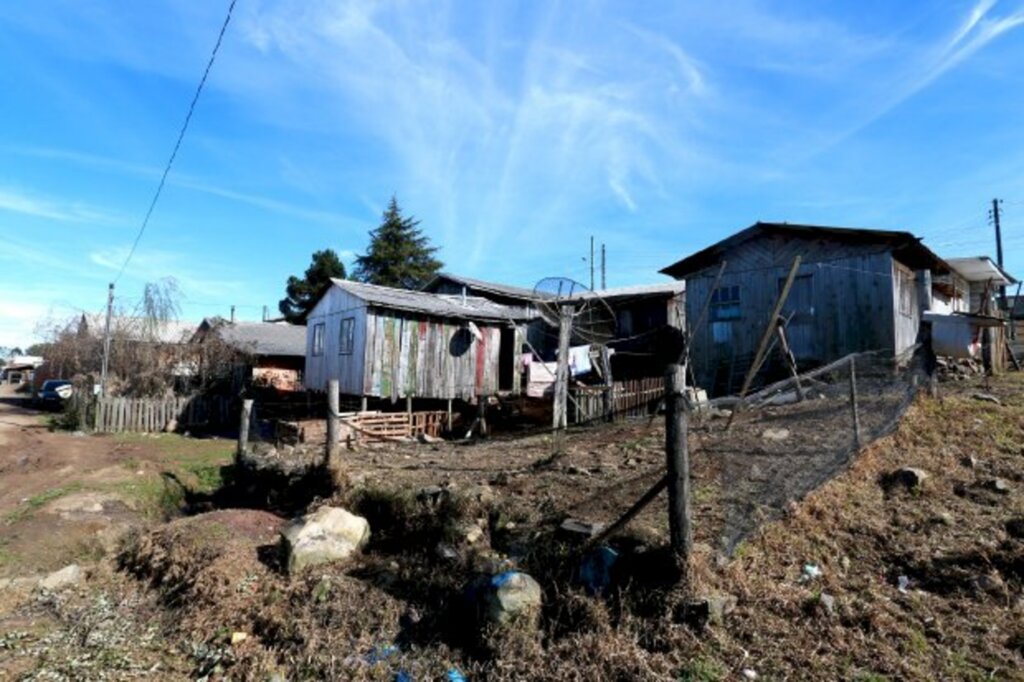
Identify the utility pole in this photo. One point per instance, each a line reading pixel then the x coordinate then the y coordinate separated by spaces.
pixel 591 262
pixel 264 313
pixel 999 249
pixel 232 314
pixel 603 267
pixel 106 341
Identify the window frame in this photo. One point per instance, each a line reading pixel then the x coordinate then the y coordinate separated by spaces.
pixel 347 342
pixel 318 339
pixel 727 307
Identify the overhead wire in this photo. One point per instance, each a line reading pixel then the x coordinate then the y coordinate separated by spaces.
pixel 177 144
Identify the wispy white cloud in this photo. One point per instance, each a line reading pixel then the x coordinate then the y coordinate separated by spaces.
pixel 151 264
pixel 503 141
pixel 32 204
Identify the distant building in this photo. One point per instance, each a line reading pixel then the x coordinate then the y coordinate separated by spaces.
pixel 856 290
pixel 271 354
pixel 382 342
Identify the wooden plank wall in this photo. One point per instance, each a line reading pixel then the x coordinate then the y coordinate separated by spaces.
pixel 336 305
pixel 852 295
pixel 153 415
pixel 424 357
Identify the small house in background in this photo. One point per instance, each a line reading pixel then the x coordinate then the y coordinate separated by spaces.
pixel 262 354
pixel 380 342
pixel 856 290
pixel 20 369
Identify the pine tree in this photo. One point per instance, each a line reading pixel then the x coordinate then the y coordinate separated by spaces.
pixel 302 294
pixel 399 254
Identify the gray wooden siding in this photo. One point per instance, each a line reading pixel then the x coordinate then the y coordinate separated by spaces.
pixel 335 306
pixel 906 313
pixel 409 355
pixel 844 302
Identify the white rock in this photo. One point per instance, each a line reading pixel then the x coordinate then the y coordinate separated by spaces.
pixel 69 575
pixel 510 595
pixel 775 434
pixel 328 534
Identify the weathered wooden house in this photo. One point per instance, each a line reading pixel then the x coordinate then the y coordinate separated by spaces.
pixel 381 342
pixel 268 354
pixel 855 290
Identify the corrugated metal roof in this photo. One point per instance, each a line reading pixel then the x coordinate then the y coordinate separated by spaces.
pixel 171 331
pixel 905 246
pixel 981 269
pixel 437 305
pixel 490 287
pixel 264 338
pixel 636 291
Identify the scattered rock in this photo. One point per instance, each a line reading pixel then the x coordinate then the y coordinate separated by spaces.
pixel 749 674
pixel 828 603
pixel 328 534
pixel 990 583
pixel 998 485
pixel 471 533
pixel 987 397
pixel 578 527
pixel 427 438
pixel 483 493
pixel 910 477
pixel 630 463
pixel 577 471
pixel 238 637
pixel 446 552
pixel 943 519
pixel 775 434
pixel 712 609
pixel 172 426
pixel 509 596
pixel 69 575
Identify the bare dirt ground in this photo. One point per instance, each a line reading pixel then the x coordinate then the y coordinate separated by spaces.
pixel 922 583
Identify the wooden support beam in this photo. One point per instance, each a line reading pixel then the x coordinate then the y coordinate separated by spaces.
pixel 482 415
pixel 560 417
pixel 243 429
pixel 769 330
pixel 787 353
pixel 333 421
pixel 609 385
pixel 677 458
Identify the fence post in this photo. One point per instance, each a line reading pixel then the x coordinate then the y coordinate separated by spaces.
pixel 606 370
pixel 853 403
pixel 677 457
pixel 243 428
pixel 560 417
pixel 333 430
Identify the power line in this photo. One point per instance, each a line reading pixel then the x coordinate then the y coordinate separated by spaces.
pixel 177 144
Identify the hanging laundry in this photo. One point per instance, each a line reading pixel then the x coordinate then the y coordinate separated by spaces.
pixel 579 360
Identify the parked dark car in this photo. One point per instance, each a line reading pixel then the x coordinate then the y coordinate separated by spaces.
pixel 51 394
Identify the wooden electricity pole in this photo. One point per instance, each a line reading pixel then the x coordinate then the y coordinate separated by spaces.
pixel 560 418
pixel 106 341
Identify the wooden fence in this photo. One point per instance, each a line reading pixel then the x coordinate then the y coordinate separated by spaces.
pixel 634 398
pixel 149 415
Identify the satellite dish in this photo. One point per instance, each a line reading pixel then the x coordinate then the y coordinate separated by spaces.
pixel 593 320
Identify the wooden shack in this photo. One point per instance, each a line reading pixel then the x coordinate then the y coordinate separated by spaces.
pixel 381 342
pixel 856 290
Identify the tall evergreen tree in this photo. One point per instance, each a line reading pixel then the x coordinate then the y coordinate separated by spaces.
pixel 302 294
pixel 399 255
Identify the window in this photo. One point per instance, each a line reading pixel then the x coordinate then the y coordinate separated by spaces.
pixel 725 304
pixel 318 339
pixel 346 336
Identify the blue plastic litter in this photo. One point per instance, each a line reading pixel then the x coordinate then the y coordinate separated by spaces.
pixel 403 676
pixel 381 653
pixel 455 676
pixel 596 569
pixel 502 578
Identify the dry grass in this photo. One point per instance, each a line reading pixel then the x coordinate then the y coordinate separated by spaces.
pixel 954 539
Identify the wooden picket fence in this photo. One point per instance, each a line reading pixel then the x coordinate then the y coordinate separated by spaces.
pixel 633 398
pixel 151 415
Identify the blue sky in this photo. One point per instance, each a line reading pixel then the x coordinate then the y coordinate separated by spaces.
pixel 513 131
